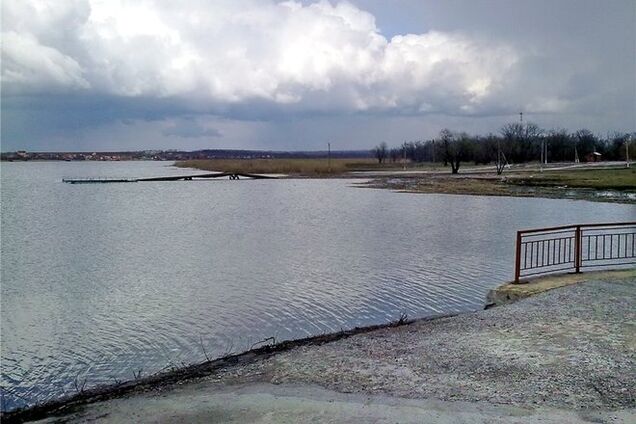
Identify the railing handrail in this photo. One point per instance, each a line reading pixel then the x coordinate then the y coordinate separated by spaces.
pixel 574 226
pixel 569 253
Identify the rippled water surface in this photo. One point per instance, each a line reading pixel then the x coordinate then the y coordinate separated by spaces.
pixel 103 280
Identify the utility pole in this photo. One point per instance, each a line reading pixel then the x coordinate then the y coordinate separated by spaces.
pixel 329 157
pixel 498 152
pixel 404 156
pixel 576 154
pixel 499 168
pixel 542 153
pixel 521 117
pixel 627 140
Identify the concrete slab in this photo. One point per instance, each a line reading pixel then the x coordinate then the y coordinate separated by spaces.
pixel 268 403
pixel 511 292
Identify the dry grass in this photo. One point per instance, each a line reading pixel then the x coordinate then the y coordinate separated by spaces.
pixel 600 179
pixel 445 184
pixel 464 186
pixel 303 167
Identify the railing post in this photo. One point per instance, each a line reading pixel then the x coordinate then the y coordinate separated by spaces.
pixel 577 249
pixel 518 258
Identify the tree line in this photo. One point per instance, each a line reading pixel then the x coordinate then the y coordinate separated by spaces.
pixel 515 143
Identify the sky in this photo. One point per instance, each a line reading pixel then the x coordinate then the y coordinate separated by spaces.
pixel 86 75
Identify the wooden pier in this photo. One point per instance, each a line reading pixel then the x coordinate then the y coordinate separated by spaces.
pixel 230 175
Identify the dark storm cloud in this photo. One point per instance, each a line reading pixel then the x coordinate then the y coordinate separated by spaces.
pixel 190 129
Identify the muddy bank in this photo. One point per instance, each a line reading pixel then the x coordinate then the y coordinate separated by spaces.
pixel 491 185
pixel 183 375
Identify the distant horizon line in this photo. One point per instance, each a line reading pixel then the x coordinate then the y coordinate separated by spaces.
pixel 188 151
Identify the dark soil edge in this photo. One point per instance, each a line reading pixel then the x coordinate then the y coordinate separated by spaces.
pixel 68 404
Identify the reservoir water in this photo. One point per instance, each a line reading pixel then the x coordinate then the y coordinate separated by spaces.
pixel 100 281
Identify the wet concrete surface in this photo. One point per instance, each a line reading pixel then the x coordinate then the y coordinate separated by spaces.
pixel 267 403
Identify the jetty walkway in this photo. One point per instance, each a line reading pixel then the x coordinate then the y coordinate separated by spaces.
pixel 230 175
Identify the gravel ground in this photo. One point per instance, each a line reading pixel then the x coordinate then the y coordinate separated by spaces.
pixel 573 347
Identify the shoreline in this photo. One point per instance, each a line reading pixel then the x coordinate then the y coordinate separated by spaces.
pixel 473 185
pixel 608 183
pixel 168 380
pixel 191 372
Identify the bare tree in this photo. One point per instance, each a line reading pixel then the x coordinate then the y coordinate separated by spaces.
pixel 585 141
pixel 532 131
pixel 521 141
pixel 500 164
pixel 445 136
pixel 457 148
pixel 512 131
pixel 394 154
pixel 380 152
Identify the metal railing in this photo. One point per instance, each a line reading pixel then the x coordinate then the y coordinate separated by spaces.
pixel 574 247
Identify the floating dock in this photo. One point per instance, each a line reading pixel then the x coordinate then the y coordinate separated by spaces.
pixel 98 180
pixel 230 175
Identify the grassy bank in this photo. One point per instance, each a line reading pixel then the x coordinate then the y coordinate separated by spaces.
pixel 599 179
pixel 575 184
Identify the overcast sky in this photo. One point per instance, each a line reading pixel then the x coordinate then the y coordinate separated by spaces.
pixel 294 75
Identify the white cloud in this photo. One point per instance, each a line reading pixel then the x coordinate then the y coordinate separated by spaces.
pixel 35 67
pixel 322 56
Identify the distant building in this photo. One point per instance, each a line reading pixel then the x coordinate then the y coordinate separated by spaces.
pixel 593 157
